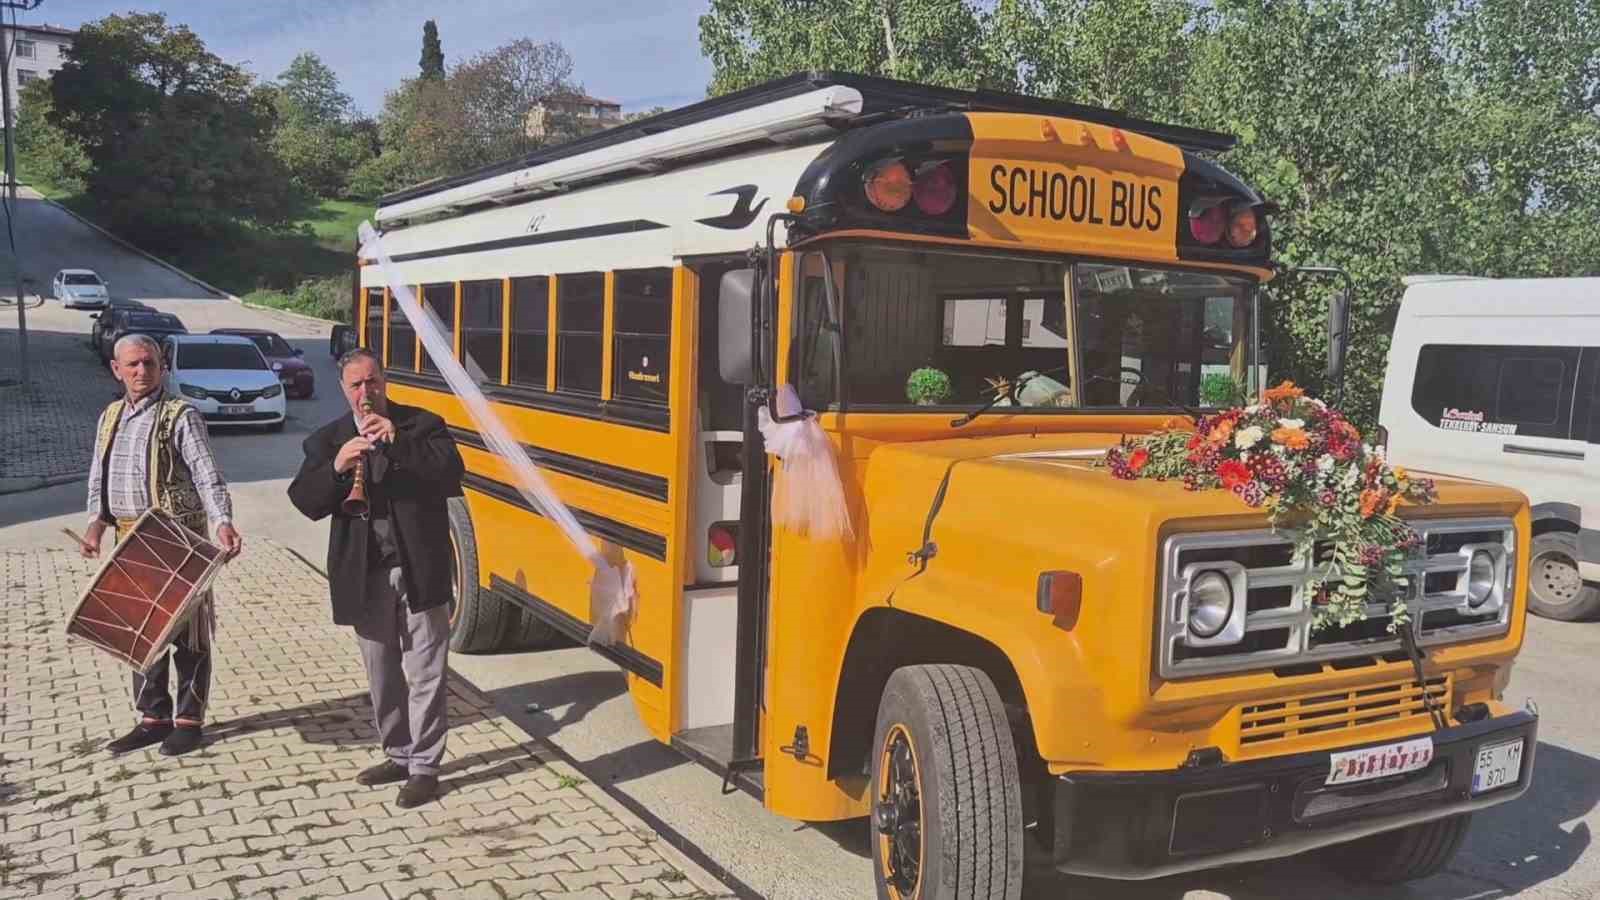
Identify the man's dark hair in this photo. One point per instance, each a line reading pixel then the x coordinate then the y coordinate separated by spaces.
pixel 351 356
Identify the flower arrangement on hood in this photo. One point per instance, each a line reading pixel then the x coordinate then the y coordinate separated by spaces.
pixel 1305 464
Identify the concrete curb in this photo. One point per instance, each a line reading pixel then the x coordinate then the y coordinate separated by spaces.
pixel 155 259
pixel 289 312
pixel 24 483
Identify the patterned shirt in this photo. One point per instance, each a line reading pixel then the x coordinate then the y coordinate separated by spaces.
pixel 128 483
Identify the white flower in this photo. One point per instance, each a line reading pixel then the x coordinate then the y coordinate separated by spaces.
pixel 1245 438
pixel 1292 423
pixel 1325 463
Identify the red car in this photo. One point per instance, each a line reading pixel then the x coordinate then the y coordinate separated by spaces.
pixel 294 373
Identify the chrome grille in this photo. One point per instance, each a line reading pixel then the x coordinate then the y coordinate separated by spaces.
pixel 1277 611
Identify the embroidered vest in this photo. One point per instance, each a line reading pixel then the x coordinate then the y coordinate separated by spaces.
pixel 171 483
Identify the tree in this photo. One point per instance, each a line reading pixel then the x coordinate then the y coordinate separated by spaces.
pixel 44 151
pixel 1397 138
pixel 315 138
pixel 432 62
pixel 177 140
pixel 944 42
pixel 477 115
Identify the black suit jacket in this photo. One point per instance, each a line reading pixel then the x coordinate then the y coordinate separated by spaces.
pixel 421 469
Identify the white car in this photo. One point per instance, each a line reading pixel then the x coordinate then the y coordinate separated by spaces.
pixel 79 289
pixel 226 378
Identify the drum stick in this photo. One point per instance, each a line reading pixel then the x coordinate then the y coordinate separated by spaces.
pixel 83 544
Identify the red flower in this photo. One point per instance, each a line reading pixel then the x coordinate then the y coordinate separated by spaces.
pixel 1137 459
pixel 1233 474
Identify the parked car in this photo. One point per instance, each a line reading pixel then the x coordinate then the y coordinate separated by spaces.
pixel 342 340
pixel 294 373
pixel 118 322
pixel 227 378
pixel 79 289
pixel 1499 379
pixel 102 319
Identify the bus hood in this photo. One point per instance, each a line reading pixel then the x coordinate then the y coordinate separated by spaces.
pixel 1013 482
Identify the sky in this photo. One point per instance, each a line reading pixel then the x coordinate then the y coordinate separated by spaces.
pixel 640 53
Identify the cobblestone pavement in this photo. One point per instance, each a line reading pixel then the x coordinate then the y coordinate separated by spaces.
pixel 49 432
pixel 268 807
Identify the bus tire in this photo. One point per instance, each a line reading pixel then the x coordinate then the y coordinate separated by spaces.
pixel 477 619
pixel 1555 589
pixel 947 797
pixel 1408 854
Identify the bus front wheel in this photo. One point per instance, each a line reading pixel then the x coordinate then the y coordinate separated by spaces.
pixel 1408 854
pixel 947 801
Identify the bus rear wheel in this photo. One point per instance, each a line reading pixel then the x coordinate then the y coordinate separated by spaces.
pixel 947 801
pixel 478 620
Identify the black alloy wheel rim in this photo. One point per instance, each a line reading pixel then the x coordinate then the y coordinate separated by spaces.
pixel 899 815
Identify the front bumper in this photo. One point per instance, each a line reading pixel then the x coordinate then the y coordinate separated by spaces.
pixel 299 382
pixel 262 411
pixel 1151 824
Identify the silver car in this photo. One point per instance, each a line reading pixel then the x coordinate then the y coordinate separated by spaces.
pixel 79 289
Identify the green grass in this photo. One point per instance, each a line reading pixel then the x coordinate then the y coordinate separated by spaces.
pixel 289 269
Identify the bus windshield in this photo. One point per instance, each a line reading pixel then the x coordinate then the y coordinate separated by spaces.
pixel 1045 332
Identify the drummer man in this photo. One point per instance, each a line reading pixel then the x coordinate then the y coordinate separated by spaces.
pixel 151 449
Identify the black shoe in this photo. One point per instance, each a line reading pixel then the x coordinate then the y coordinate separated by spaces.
pixel 418 789
pixel 386 772
pixel 182 739
pixel 143 735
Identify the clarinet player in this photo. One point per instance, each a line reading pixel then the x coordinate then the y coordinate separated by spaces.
pixel 388 564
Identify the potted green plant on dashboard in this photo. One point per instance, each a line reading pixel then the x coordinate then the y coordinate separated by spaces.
pixel 928 386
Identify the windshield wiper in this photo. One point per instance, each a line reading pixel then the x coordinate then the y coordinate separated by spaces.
pixel 999 395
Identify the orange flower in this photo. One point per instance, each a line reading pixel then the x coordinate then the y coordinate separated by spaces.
pixel 1394 501
pixel 1284 391
pixel 1138 459
pixel 1371 499
pixel 1293 438
pixel 1220 433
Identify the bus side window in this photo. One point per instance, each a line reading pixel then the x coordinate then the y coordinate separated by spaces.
pixel 580 332
pixel 642 335
pixel 530 332
pixel 375 300
pixel 482 307
pixel 441 298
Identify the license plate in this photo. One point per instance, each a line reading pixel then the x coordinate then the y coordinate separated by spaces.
pixel 1351 766
pixel 229 410
pixel 1497 766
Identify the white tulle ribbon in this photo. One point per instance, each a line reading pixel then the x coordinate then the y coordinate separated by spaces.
pixel 612 590
pixel 808 497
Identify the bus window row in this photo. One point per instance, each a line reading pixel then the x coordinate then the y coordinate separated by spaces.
pixel 544 333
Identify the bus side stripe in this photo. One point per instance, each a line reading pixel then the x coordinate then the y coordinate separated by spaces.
pixel 628 226
pixel 633 481
pixel 620 533
pixel 621 654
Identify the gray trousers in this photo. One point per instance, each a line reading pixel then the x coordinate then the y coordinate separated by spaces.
pixel 405 654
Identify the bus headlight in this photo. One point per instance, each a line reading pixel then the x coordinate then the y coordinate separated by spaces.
pixel 1210 604
pixel 1481 578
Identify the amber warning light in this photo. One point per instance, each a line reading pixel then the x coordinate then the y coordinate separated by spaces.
pixel 890 186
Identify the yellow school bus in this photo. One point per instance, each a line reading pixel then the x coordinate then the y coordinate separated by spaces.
pixel 1001 661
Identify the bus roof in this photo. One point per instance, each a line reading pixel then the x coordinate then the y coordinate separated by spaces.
pixel 810 104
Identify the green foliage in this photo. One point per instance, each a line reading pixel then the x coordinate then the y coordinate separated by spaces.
pixel 432 61
pixel 178 142
pixel 479 114
pixel 944 42
pixel 1219 389
pixel 325 298
pixel 1397 138
pixel 45 153
pixel 928 386
pixel 316 137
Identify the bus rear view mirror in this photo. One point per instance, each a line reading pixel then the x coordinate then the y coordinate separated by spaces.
pixel 734 308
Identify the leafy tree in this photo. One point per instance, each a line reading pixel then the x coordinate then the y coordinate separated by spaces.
pixel 942 42
pixel 477 115
pixel 315 138
pixel 177 140
pixel 1403 137
pixel 432 62
pixel 44 151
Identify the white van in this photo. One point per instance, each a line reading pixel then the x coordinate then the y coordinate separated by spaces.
pixel 1497 379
